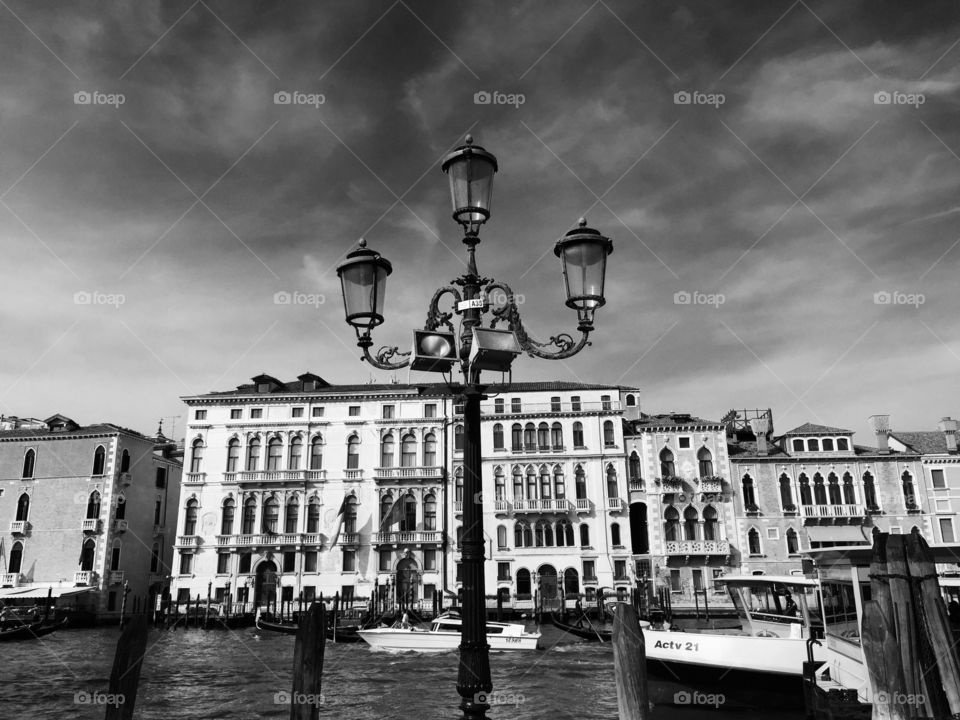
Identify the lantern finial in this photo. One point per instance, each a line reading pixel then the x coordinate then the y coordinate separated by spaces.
pixel 362 243
pixel 469 139
pixel 582 222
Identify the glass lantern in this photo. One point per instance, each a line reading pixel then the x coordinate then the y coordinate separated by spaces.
pixel 583 252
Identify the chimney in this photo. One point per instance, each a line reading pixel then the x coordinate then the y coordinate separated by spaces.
pixel 880 424
pixel 760 428
pixel 949 429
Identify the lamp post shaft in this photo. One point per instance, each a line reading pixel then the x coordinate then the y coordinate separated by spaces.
pixel 474 672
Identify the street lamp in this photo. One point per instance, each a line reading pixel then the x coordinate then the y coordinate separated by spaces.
pixel 583 254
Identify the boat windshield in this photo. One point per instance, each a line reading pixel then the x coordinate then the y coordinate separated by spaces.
pixel 775 602
pixel 840 609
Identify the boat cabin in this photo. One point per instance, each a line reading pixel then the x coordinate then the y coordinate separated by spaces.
pixel 776 605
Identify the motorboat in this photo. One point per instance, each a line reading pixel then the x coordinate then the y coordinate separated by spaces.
pixel 443 635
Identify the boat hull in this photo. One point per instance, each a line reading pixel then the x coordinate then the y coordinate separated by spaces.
pixel 427 641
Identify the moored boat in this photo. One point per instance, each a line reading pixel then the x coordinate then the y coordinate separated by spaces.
pixel 30 631
pixel 340 633
pixel 443 634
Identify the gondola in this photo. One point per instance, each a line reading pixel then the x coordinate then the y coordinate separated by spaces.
pixel 344 633
pixel 30 631
pixel 584 628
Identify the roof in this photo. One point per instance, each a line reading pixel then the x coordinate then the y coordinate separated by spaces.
pixel 671 420
pixel 814 429
pixel 97 429
pixel 931 442
pixel 748 449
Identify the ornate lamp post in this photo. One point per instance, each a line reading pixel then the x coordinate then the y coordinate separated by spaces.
pixel 583 253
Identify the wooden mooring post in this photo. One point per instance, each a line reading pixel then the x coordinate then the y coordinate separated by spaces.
pixel 306 697
pixel 125 676
pixel 630 664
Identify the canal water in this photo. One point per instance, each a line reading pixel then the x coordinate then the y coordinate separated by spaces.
pixel 241 674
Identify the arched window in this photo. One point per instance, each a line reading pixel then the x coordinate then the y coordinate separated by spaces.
pixel 292 515
pixel 274 454
pixel 753 541
pixel 578 435
pixel 609 439
pixel 517 483
pixel 233 455
pixel 671 524
pixel 313 515
pixel 516 437
pixel 386 451
pixel 615 534
pixel 99 460
pixel 23 507
pixel 870 492
pixel 499 485
pixel 556 436
pixel 793 544
pixel 806 497
pixel 813 445
pixel 253 454
pixel 613 489
pixel 249 516
pixel 562 527
pixel 518 533
pixel 93 505
pixel 529 437
pixel 29 459
pixel 87 551
pixel 226 521
pixel 909 494
pixel 271 516
pixel 798 445
pixel 634 467
pixel 849 494
pixel 458 484
pixel 580 482
pixel 584 535
pixel 631 400
pixel 710 527
pixel 667 467
pixel 296 452
pixel 501 536
pixel 121 511
pixel 571 582
pixel 749 493
pixel 538 533
pixel 559 491
pixel 196 456
pixel 458 438
pixel 408 450
pixel 350 516
pixel 547 533
pixel 498 436
pixel 543 436
pixel 353 453
pixel 125 461
pixel 819 490
pixel 523 584
pixel 155 558
pixel 705 460
pixel 834 489
pixel 409 521
pixel 430 450
pixel 546 490
pixel 190 518
pixel 531 483
pixel 430 513
pixel 386 505
pixel 690 523
pixel 316 453
pixel 786 492
pixel 16 558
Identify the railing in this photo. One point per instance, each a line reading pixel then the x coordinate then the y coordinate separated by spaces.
pixel 831 511
pixel 698 547
pixel 415 536
pixel 584 505
pixel 614 504
pixel 188 541
pixel 638 486
pixel 711 486
pixel 117 577
pixel 350 538
pixel 501 506
pixel 352 474
pixel 418 471
pixel 311 539
pixel 121 526
pixel 197 478
pixel 671 486
pixel 18 527
pixel 272 539
pixel 487 410
pixel 91 525
pixel 267 475
pixel 458 507
pixel 10 580
pixel 85 577
pixel 542 505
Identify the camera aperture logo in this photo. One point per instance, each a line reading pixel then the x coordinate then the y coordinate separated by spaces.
pixel 297 698
pixel 282 297
pixel 696 297
pixel 895 97
pixel 84 697
pixel 95 297
pixel 83 97
pixel 296 97
pixel 884 297
pixel 697 97
pixel 684 697
pixel 495 97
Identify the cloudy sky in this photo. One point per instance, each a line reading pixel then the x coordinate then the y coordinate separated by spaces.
pixel 804 200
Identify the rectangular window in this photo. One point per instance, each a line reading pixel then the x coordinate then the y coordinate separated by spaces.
pixel 619 569
pixel 575 403
pixel 939 482
pixel 183 596
pixel 289 561
pixel 200 415
pixel 223 564
pixel 219 594
pixel 429 560
pixel 296 412
pixel 309 593
pixel 317 412
pixel 555 404
pixel 236 413
pixel 310 562
pixel 386 560
pixel 112 600
pixel 428 592
pixel 503 571
pixel 589 570
pixel 605 403
pixel 186 563
pixel 115 558
pixel 349 560
pixel 161 477
pixel 946 530
pixel 346 595
pixel 515 405
pixel 459 575
pixel 498 406
pixel 675 581
pixel 388 411
pixel 354 411
pixel 773 533
pixel 683 443
pixel 430 410
pixel 245 563
pixel 256 413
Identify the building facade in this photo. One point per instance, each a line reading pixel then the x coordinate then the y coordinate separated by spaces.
pixel 85 507
pixel 271 465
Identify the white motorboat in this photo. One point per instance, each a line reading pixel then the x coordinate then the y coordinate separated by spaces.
pixel 443 635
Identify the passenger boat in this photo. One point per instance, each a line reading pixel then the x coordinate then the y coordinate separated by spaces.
pixel 30 631
pixel 443 635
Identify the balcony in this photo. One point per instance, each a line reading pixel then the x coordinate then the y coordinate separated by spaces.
pixel 352 474
pixel 117 577
pixel 698 547
pixel 712 485
pixel 314 539
pixel 561 505
pixel 19 527
pixel 121 526
pixel 415 472
pixel 819 512
pixel 614 505
pixel 671 485
pixel 188 541
pixel 197 478
pixel 501 506
pixel 90 525
pixel 458 507
pixel 408 537
pixel 262 539
pixel 637 485
pixel 85 577
pixel 583 505
pixel 269 476
pixel 10 580
pixel 349 538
